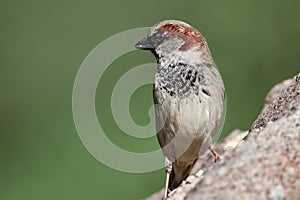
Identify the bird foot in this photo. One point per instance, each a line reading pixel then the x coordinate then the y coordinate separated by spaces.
pixel 168 166
pixel 215 154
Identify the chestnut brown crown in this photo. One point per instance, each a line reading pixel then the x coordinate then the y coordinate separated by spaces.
pixel 175 36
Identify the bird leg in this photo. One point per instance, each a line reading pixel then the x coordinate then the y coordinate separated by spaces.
pixel 216 155
pixel 168 166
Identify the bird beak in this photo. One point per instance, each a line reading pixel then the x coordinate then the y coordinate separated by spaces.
pixel 145 44
pixel 150 42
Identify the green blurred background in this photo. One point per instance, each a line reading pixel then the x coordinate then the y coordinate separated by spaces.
pixel 254 43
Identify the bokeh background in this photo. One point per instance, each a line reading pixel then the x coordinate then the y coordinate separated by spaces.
pixel 254 43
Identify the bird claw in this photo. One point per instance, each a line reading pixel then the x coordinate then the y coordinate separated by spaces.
pixel 215 154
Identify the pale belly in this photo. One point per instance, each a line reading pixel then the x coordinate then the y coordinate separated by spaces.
pixel 185 125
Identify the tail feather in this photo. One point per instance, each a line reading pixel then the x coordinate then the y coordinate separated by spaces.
pixel 180 171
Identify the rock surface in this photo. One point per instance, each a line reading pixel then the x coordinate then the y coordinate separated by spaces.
pixel 262 163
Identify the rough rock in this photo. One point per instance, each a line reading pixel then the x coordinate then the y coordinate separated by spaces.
pixel 262 163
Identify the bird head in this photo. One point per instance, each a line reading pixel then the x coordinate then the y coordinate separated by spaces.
pixel 176 38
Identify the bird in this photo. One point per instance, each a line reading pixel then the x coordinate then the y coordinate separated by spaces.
pixel 188 94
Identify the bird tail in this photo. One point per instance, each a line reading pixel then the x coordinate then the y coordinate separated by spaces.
pixel 180 171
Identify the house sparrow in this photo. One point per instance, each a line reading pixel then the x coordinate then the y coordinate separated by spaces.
pixel 189 96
